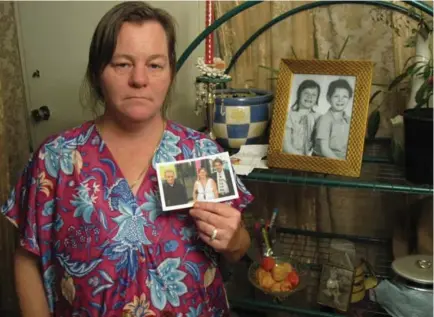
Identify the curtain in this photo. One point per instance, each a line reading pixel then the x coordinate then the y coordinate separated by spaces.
pixel 4 164
pixel 321 32
pixel 14 145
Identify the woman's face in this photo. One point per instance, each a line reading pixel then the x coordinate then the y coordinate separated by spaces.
pixel 339 99
pixel 136 81
pixel 308 98
pixel 202 174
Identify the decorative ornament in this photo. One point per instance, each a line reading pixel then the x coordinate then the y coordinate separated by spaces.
pixel 215 70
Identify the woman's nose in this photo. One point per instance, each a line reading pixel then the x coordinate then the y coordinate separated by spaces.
pixel 139 76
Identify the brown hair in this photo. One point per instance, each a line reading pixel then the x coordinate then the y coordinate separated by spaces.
pixel 104 42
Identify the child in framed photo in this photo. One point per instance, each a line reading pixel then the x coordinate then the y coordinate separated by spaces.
pixel 332 130
pixel 299 127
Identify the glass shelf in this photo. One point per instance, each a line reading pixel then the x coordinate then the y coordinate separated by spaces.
pixel 378 173
pixel 311 248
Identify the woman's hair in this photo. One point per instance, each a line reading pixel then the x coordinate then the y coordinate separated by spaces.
pixel 339 83
pixel 104 42
pixel 306 84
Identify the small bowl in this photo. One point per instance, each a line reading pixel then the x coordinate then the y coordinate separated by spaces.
pixel 297 266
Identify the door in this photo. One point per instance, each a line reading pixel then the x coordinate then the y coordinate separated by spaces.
pixel 54 40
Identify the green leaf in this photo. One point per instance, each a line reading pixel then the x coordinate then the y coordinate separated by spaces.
pixel 293 52
pixel 315 41
pixel 315 47
pixel 343 47
pixel 374 95
pixel 373 124
pixel 409 60
pixel 427 73
pixel 420 94
pixel 380 85
pixel 397 80
pixel 416 70
pixel 273 70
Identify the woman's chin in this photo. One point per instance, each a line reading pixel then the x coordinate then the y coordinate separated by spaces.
pixel 140 115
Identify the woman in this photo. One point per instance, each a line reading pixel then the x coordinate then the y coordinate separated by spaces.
pixel 205 187
pixel 94 240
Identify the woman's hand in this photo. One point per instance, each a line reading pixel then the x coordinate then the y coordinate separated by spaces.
pixel 219 225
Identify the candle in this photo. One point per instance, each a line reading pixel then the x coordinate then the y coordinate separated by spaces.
pixel 209 41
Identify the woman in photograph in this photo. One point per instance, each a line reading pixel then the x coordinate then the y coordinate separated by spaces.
pixel 333 127
pixel 301 119
pixel 205 187
pixel 93 238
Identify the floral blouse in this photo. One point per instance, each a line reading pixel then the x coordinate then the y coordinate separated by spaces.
pixel 104 251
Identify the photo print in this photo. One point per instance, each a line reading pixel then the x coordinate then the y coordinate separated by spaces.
pixel 319 115
pixel 207 178
pixel 335 288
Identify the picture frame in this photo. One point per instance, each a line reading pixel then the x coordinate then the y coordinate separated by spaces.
pixel 335 287
pixel 320 115
pixel 182 183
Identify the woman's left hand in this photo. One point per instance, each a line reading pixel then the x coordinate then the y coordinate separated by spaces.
pixel 218 225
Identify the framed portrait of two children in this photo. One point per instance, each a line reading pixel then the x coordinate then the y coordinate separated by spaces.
pixel 320 116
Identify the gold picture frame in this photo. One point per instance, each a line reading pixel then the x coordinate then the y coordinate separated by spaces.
pixel 320 112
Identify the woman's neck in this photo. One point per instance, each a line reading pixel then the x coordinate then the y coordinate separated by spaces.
pixel 114 127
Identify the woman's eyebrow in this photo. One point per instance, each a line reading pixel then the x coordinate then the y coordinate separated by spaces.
pixel 127 56
pixel 155 56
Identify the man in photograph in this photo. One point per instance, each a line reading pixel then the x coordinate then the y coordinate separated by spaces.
pixel 222 178
pixel 174 192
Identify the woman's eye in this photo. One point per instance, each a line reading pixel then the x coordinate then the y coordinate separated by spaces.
pixel 156 66
pixel 122 65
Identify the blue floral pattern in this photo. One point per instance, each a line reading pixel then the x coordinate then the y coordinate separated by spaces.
pixel 166 283
pixel 108 251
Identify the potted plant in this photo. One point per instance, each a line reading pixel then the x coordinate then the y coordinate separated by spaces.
pixel 234 116
pixel 412 130
pixel 418 117
pixel 242 116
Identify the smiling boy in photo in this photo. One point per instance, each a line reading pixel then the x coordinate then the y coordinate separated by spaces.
pixel 333 127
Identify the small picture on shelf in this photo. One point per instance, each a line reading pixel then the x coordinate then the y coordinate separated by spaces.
pixel 335 287
pixel 319 117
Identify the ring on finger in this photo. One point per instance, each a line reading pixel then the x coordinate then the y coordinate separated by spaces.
pixel 214 234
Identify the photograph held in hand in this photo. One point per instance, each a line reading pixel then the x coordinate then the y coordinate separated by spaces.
pixel 209 178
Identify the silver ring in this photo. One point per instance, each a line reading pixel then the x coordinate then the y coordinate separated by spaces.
pixel 214 234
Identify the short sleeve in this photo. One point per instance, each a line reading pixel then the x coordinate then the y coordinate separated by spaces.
pixel 30 205
pixel 204 147
pixel 288 123
pixel 323 128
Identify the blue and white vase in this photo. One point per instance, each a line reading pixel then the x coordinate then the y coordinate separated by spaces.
pixel 241 116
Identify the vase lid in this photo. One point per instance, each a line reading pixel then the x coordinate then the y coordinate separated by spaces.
pixel 416 268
